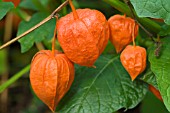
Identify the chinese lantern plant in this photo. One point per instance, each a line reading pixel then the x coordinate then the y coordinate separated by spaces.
pixel 121 29
pixel 83 35
pixel 51 75
pixel 133 58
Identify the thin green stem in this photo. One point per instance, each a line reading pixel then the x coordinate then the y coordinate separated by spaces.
pixel 122 7
pixel 14 78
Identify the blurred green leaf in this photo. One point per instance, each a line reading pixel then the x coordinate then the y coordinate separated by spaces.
pixel 104 89
pixel 34 4
pixel 43 32
pixel 3 60
pixel 27 4
pixel 160 67
pixel 151 104
pixel 40 5
pixel 95 4
pixel 4 8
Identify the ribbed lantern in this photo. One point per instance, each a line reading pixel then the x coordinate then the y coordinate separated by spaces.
pixel 51 76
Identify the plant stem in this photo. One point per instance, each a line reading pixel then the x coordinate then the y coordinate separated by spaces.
pixel 54 37
pixel 133 35
pixel 122 7
pixel 14 78
pixel 36 26
pixel 74 10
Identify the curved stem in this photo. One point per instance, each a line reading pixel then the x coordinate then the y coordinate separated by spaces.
pixel 74 10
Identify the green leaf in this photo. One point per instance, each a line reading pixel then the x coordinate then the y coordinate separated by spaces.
pixel 4 8
pixel 43 32
pixel 160 67
pixel 103 89
pixel 27 4
pixel 150 78
pixel 165 30
pixel 30 4
pixel 153 9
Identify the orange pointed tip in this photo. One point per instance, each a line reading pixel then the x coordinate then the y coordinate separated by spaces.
pixel 52 109
pixel 132 78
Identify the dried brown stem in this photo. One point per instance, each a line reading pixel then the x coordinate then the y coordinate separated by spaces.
pixel 36 26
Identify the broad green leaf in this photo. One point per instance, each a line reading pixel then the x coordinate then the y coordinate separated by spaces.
pixel 161 68
pixel 153 9
pixel 103 89
pixel 43 32
pixel 4 8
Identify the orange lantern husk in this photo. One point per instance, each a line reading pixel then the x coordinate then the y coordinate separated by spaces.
pixel 133 59
pixel 51 76
pixel 83 35
pixel 121 30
